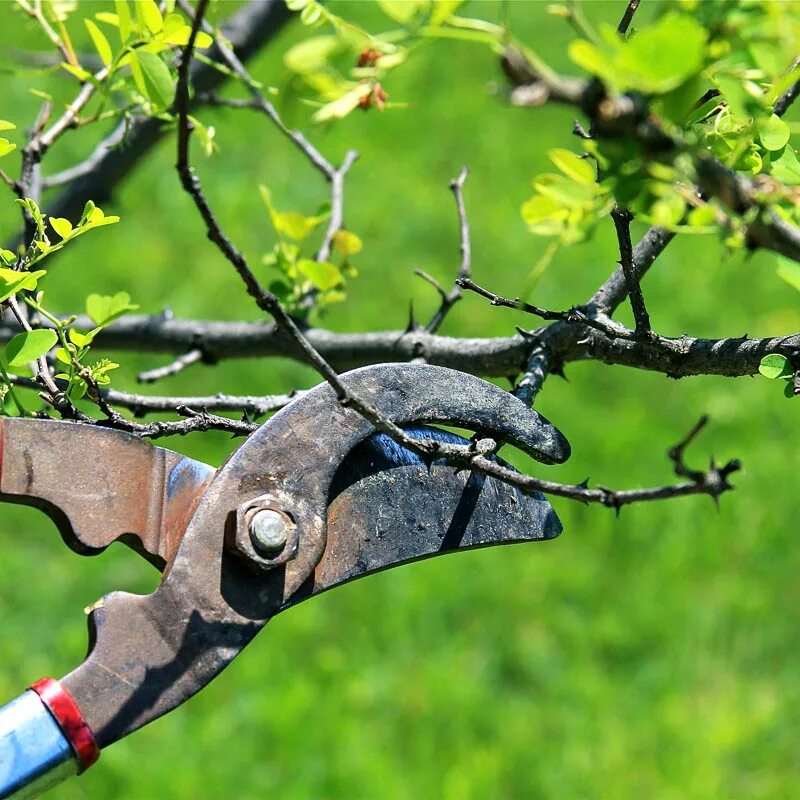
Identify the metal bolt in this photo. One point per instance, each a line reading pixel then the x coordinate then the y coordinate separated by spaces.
pixel 269 531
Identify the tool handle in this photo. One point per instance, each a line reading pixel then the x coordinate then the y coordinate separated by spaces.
pixel 43 741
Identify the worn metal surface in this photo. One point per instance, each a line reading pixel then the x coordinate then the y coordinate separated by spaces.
pixel 388 508
pixel 100 486
pixel 150 653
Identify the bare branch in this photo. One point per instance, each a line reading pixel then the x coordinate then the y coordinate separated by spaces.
pixel 143 404
pixel 535 374
pixel 173 368
pixel 713 483
pixel 573 316
pixel 784 102
pixel 336 221
pixel 622 222
pixel 627 17
pixel 449 299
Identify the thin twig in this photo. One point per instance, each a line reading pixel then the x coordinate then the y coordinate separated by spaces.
pixel 627 17
pixel 336 221
pixel 783 103
pixel 143 404
pixel 573 316
pixel 173 368
pixel 622 222
pixel 449 299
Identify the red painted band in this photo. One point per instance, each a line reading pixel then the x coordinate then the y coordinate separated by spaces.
pixel 70 719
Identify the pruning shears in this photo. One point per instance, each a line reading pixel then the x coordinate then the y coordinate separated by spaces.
pixel 314 498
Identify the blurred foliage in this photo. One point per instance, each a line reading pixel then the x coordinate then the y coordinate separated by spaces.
pixel 646 656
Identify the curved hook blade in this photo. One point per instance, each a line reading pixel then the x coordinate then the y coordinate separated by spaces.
pixel 151 653
pixel 389 508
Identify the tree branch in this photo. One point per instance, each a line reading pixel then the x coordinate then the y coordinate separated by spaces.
pixel 627 17
pixel 622 222
pixel 173 368
pixel 449 299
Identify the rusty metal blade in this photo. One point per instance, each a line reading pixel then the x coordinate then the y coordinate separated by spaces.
pixel 389 508
pixel 100 486
pixel 151 653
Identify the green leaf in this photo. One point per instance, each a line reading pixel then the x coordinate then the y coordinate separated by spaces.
pixel 28 346
pixel 79 72
pixel 177 32
pixel 8 257
pixel 108 18
pixel 775 366
pixel 347 243
pixel 149 16
pixel 321 273
pixel 100 42
pixel 124 19
pixel 788 390
pixel 80 339
pixel 65 357
pixel 288 223
pixel 153 78
pixel 5 125
pixel 311 54
pixel 540 208
pixel 573 166
pixel 661 57
pixel 789 271
pixel 94 217
pixel 63 227
pixel 773 132
pixel 564 191
pixel 6 147
pixel 342 106
pixel 12 281
pixel 785 167
pixel 442 11
pixel 311 13
pixel 657 59
pixel 401 11
pixel 104 309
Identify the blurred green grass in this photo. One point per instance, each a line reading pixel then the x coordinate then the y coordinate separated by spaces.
pixel 652 655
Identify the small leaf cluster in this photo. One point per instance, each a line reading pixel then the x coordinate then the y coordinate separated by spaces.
pixel 41 245
pixel 18 280
pixel 710 73
pixel 136 58
pixel 568 204
pixel 347 68
pixel 76 345
pixel 307 283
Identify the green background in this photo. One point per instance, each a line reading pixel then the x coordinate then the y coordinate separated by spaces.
pixel 654 655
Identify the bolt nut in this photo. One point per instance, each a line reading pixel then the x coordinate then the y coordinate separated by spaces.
pixel 263 533
pixel 269 531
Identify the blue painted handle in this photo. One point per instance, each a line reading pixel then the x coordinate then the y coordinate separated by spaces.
pixel 34 753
